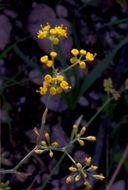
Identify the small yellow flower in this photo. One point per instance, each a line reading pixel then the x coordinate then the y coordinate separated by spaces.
pixel 54 40
pixel 49 63
pixel 69 179
pixel 82 65
pixel 53 31
pixel 72 169
pixel 60 77
pixel 99 177
pixel 75 126
pixel 53 91
pixel 87 184
pixel 82 131
pixel 89 56
pixel 55 144
pixel 58 89
pixel 38 151
pixel 46 136
pixel 88 160
pixel 93 167
pixel 78 165
pixel 44 59
pixel 48 78
pixel 43 143
pixel 61 31
pixel 77 178
pixel 46 28
pixel 53 54
pixel 50 154
pixel 73 60
pixel 91 138
pixel 83 52
pixel 64 85
pixel 75 52
pixel 42 90
pixel 81 142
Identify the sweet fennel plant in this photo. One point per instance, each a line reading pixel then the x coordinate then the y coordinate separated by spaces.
pixel 54 82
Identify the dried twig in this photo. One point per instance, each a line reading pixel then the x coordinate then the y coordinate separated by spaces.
pixel 118 168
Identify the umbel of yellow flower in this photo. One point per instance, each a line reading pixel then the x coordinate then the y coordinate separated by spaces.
pixel 52 33
pixel 82 172
pixel 81 57
pixel 48 62
pixel 54 85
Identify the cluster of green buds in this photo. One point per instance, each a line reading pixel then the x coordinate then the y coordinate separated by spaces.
pixel 81 172
pixel 4 185
pixel 109 88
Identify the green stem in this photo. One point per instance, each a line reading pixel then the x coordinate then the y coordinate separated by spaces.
pixel 25 158
pixel 98 112
pixel 44 116
pixel 68 68
pixel 52 172
pixel 70 157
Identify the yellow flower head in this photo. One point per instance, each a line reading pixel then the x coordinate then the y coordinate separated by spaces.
pixel 78 165
pixel 73 60
pixel 53 90
pixel 53 54
pixel 91 138
pixel 83 52
pixel 69 179
pixel 50 154
pixel 77 178
pixel 99 177
pixel 53 33
pixel 82 65
pixel 48 78
pixel 44 59
pixel 64 85
pixel 42 90
pixel 38 151
pixel 89 56
pixel 49 63
pixel 87 184
pixel 75 52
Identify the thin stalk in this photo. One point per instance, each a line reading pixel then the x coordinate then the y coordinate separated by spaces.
pixel 25 158
pixel 98 112
pixel 70 67
pixel 70 157
pixel 52 172
pixel 0 144
pixel 44 116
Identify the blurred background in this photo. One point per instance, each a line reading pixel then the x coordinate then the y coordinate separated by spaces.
pixel 99 26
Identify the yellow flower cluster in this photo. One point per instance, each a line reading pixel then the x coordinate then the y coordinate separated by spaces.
pixel 81 57
pixel 52 33
pixel 79 136
pixel 108 87
pixel 46 145
pixel 80 172
pixel 49 62
pixel 54 85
